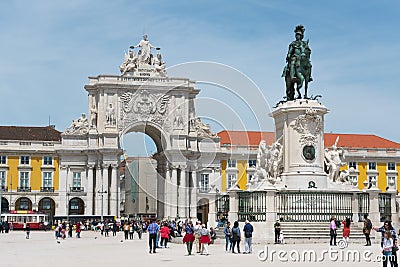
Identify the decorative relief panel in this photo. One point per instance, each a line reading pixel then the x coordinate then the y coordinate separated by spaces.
pixel 309 126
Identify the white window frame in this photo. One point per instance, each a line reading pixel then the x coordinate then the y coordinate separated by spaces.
pixel 20 160
pixel 74 207
pixel 45 158
pixel 1 160
pixel 45 207
pixel 370 162
pixel 356 167
pixel 3 179
pixel 75 178
pixel 394 163
pixel 51 179
pixel 229 180
pixel 204 182
pixel 231 163
pixel 28 178
pixel 394 178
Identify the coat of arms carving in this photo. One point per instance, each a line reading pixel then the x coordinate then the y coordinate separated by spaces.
pixel 309 126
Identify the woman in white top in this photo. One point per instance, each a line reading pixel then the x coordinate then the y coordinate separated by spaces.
pixel 387 246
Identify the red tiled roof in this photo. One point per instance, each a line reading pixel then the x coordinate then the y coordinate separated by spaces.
pixel 25 133
pixel 252 138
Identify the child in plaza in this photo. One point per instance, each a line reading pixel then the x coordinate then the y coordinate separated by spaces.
pixel 204 240
pixel 281 238
pixel 188 239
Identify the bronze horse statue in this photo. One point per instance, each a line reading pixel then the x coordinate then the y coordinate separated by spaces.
pixel 303 75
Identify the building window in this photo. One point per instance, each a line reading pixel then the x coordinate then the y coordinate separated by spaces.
pixel 74 204
pixel 76 180
pixel 370 178
pixel 353 164
pixel 24 179
pixel 231 180
pixel 252 163
pixel 47 179
pixel 204 182
pixel 391 166
pixel 371 165
pixel 231 163
pixel 46 204
pixel 24 204
pixel 391 179
pixel 2 180
pixel 47 160
pixel 24 160
pixel 3 160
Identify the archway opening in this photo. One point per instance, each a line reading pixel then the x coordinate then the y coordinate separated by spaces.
pixel 47 206
pixel 143 179
pixel 23 203
pixel 5 206
pixel 76 206
pixel 203 208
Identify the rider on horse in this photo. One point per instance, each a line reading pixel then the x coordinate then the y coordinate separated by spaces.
pixel 298 60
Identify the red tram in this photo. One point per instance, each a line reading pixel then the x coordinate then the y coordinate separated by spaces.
pixel 18 219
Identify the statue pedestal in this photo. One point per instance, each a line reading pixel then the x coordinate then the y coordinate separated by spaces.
pixel 299 127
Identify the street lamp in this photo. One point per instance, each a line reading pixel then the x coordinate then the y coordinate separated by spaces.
pixel 102 199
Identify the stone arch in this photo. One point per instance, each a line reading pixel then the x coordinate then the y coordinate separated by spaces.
pixel 203 208
pixel 5 205
pixel 23 203
pixel 47 205
pixel 153 130
pixel 76 206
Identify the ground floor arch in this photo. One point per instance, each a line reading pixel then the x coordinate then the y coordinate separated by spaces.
pixel 5 206
pixel 76 206
pixel 48 206
pixel 203 208
pixel 23 203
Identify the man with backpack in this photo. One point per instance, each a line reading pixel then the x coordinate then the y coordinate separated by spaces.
pixel 248 237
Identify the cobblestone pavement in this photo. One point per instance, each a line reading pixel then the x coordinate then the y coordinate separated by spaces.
pixel 95 250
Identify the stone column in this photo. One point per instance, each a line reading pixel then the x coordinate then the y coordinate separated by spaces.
pixel 193 197
pixel 233 204
pixel 106 189
pixel 114 200
pixel 212 214
pixel 354 206
pixel 97 189
pixel 392 191
pixel 62 188
pixel 89 190
pixel 174 193
pixel 271 216
pixel 183 195
pixel 167 195
pixel 374 214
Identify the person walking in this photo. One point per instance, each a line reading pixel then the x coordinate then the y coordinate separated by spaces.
pixel 126 230
pixel 277 229
pixel 387 248
pixel 204 240
pixel 367 229
pixel 131 231
pixel 248 237
pixel 78 230
pixel 139 229
pixel 164 232
pixel 332 231
pixel 114 228
pixel 346 229
pixel 236 237
pixel 28 231
pixel 106 229
pixel 188 239
pixel 197 229
pixel 228 236
pixel 153 230
pixel 387 227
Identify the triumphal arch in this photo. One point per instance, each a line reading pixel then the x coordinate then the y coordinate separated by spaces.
pixel 142 98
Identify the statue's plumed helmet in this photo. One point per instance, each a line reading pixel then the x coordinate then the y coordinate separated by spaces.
pixel 299 30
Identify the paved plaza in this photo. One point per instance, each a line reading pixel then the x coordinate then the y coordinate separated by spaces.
pixel 95 250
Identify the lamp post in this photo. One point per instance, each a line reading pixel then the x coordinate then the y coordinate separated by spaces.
pixel 102 199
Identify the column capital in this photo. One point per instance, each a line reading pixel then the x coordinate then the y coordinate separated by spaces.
pixel 105 165
pixel 90 166
pixel 64 167
pixel 114 165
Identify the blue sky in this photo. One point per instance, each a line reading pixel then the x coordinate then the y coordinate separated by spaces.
pixel 49 48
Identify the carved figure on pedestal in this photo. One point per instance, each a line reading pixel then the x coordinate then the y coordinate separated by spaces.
pixel 93 116
pixel 334 159
pixel 269 161
pixel 110 115
pixel 78 126
pixel 178 121
pixel 298 65
pixel 159 65
pixel 204 129
pixel 130 62
pixel 144 54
